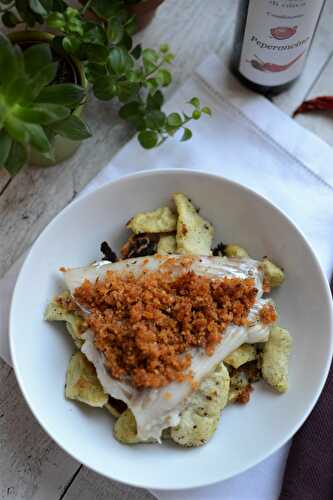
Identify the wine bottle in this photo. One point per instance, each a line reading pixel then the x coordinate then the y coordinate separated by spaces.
pixel 272 40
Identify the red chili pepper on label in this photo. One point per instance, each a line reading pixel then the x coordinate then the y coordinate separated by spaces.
pixel 272 67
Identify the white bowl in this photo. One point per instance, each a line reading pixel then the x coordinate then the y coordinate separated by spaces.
pixel 246 434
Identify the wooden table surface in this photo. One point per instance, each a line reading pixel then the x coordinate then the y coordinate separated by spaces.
pixel 32 466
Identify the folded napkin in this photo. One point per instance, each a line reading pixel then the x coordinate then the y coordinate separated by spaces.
pixel 251 141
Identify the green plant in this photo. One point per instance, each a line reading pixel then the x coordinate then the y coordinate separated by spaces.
pixel 31 110
pixel 116 70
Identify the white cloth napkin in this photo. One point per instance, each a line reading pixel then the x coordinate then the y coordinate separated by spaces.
pixel 251 141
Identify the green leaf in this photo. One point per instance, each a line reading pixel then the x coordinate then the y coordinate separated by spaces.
pixel 37 7
pixel 155 101
pixel 96 53
pixel 16 159
pixel 186 135
pixel 127 90
pixel 56 20
pixel 137 51
pixel 114 30
pixel 175 120
pixel 130 109
pixel 164 48
pixel 105 8
pixel 75 25
pixel 7 60
pixel 94 71
pixel 196 114
pixel 126 42
pixel 5 144
pixel 43 113
pixel 119 60
pixel 38 138
pixel 150 55
pixel 148 139
pixel 152 85
pixel 155 119
pixel 67 94
pixel 48 5
pixel 16 90
pixel 16 129
pixel 94 33
pixel 207 111
pixel 9 19
pixel 71 44
pixel 36 57
pixel 59 5
pixel 28 16
pixel 72 128
pixel 104 88
pixel 138 122
pixel 43 77
pixel 195 102
pixel 168 58
pixel 149 67
pixel 163 77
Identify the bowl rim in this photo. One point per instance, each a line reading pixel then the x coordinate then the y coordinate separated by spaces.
pixel 199 174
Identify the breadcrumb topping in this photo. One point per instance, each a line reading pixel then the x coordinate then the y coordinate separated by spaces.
pixel 145 326
pixel 268 314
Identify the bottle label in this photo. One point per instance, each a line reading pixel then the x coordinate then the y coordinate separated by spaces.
pixel 277 37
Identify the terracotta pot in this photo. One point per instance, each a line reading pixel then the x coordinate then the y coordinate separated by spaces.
pixel 144 12
pixel 63 147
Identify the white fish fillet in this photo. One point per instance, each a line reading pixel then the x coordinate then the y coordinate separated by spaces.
pixel 154 409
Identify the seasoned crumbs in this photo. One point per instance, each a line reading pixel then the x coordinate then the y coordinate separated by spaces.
pixel 145 326
pixel 268 314
pixel 68 303
pixel 244 396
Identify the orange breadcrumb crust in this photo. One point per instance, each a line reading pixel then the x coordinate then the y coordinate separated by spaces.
pixel 145 326
pixel 268 314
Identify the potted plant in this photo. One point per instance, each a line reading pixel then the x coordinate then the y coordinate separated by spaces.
pixel 142 10
pixel 41 101
pixel 115 68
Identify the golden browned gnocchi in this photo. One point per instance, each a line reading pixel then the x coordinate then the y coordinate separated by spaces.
pixel 275 358
pixel 82 383
pixel 201 416
pixel 194 234
pixel 242 355
pixel 235 251
pixel 167 244
pixel 274 273
pixel 162 220
pixel 55 312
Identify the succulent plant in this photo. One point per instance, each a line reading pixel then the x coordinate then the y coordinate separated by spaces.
pixel 133 76
pixel 33 108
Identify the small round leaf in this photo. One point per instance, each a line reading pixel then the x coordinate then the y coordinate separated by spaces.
pixel 148 139
pixel 174 120
pixel 186 135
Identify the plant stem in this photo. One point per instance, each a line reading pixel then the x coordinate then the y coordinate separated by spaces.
pixel 154 70
pixel 85 8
